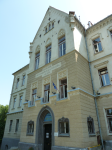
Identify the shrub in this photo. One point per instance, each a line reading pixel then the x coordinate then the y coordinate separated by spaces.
pixel 31 148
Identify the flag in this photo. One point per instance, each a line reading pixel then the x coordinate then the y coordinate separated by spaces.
pixel 54 86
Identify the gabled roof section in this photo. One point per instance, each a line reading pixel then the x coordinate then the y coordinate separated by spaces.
pixel 21 69
pixel 49 9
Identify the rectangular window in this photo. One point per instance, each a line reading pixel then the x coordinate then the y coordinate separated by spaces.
pixel 14 103
pixel 10 126
pixel 37 58
pixel 104 77
pixel 49 27
pixel 23 82
pixel 46 93
pixel 48 54
pixel 20 101
pixel 62 46
pixel 53 25
pixel 97 45
pixel 109 119
pixel 63 88
pixel 111 33
pixel 34 94
pixel 17 125
pixel 17 83
pixel 64 127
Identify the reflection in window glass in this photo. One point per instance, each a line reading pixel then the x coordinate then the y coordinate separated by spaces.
pixel 97 45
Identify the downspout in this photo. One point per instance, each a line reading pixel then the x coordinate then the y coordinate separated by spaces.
pixel 94 94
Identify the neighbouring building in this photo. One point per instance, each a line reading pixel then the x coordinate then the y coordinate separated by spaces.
pixel 63 98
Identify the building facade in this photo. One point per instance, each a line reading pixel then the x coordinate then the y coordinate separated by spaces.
pixel 66 99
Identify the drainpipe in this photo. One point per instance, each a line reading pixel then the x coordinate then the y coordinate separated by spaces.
pixel 94 94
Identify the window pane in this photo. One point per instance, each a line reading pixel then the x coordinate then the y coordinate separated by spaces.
pixel 61 92
pixel 107 79
pixel 99 46
pixel 64 81
pixel 62 127
pixel 109 112
pixel 62 39
pixel 64 48
pixel 103 80
pixel 60 50
pixel 110 123
pixel 65 90
pixel 67 127
pixel 50 56
pixel 96 40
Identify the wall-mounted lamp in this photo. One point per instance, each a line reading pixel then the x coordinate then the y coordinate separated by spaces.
pixel 73 87
pixel 98 93
pixel 54 92
pixel 38 96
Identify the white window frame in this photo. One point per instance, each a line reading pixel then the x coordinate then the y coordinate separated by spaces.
pixel 97 45
pixel 46 97
pixel 104 110
pixel 37 59
pixel 14 102
pixel 48 58
pixel 100 76
pixel 17 125
pixel 63 87
pixel 62 45
pixel 20 100
pixel 17 84
pixel 23 81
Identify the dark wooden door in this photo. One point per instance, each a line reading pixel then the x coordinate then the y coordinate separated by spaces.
pixel 47 137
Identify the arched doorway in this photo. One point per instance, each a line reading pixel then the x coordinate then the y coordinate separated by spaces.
pixel 45 129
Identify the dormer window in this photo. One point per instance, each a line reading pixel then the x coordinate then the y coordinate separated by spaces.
pixel 97 45
pixel 46 30
pixel 111 33
pixel 49 27
pixel 17 83
pixel 53 25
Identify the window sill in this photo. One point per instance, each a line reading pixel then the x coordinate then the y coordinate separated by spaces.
pixel 45 103
pixel 29 134
pixel 15 132
pixel 105 86
pixel 64 135
pixel 62 99
pixel 92 135
pixel 8 132
pixel 12 108
pixel 98 52
pixel 19 106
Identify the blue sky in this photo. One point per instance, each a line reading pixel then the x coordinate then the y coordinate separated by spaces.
pixel 19 22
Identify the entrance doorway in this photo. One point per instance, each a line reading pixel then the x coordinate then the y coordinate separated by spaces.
pixel 47 136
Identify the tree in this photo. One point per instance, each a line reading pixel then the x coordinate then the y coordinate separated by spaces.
pixel 3 116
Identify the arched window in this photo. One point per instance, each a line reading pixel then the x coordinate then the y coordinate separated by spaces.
pixel 63 127
pixel 90 123
pixel 30 128
pixel 48 118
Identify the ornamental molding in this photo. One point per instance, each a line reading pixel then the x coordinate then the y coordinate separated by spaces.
pixel 34 85
pixel 62 74
pixel 63 119
pixel 48 41
pixel 99 25
pixel 101 64
pixel 37 49
pixel 30 122
pixel 61 33
pixel 46 80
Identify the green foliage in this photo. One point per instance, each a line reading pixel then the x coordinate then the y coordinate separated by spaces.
pixel 31 148
pixel 3 116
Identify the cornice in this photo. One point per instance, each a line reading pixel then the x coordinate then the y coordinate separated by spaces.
pixel 100 64
pixel 15 112
pixel 99 25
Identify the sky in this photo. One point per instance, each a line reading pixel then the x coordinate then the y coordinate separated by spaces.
pixel 19 22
